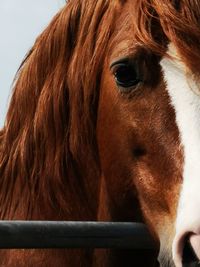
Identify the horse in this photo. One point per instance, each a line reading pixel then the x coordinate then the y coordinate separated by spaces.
pixel 103 125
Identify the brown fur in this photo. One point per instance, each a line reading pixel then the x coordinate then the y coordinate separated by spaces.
pixel 68 151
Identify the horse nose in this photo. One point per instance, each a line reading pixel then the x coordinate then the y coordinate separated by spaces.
pixel 187 250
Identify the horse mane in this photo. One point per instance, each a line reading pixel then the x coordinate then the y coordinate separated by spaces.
pixel 48 150
pixel 48 146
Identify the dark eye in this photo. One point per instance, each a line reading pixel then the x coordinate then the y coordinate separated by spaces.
pixel 126 75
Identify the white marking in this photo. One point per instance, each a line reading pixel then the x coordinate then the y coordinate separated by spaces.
pixel 183 92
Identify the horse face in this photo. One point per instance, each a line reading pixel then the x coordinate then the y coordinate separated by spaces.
pixel 148 142
pixel 139 143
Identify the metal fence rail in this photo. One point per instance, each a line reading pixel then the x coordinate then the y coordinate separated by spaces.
pixel 53 234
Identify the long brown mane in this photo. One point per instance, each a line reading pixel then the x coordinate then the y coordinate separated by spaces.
pixel 50 125
pixel 48 144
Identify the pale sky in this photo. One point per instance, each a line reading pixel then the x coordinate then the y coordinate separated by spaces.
pixel 20 23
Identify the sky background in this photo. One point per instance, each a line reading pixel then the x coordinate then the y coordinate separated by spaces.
pixel 21 21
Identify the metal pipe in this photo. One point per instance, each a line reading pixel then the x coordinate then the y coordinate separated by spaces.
pixel 53 234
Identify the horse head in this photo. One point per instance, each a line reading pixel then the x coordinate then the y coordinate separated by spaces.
pixel 103 123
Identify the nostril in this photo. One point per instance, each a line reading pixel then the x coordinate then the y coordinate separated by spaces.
pixel 189 257
pixel 194 240
pixel 186 250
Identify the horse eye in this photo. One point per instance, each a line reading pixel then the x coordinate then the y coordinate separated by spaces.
pixel 126 75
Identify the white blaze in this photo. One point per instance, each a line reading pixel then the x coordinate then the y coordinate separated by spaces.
pixel 185 98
